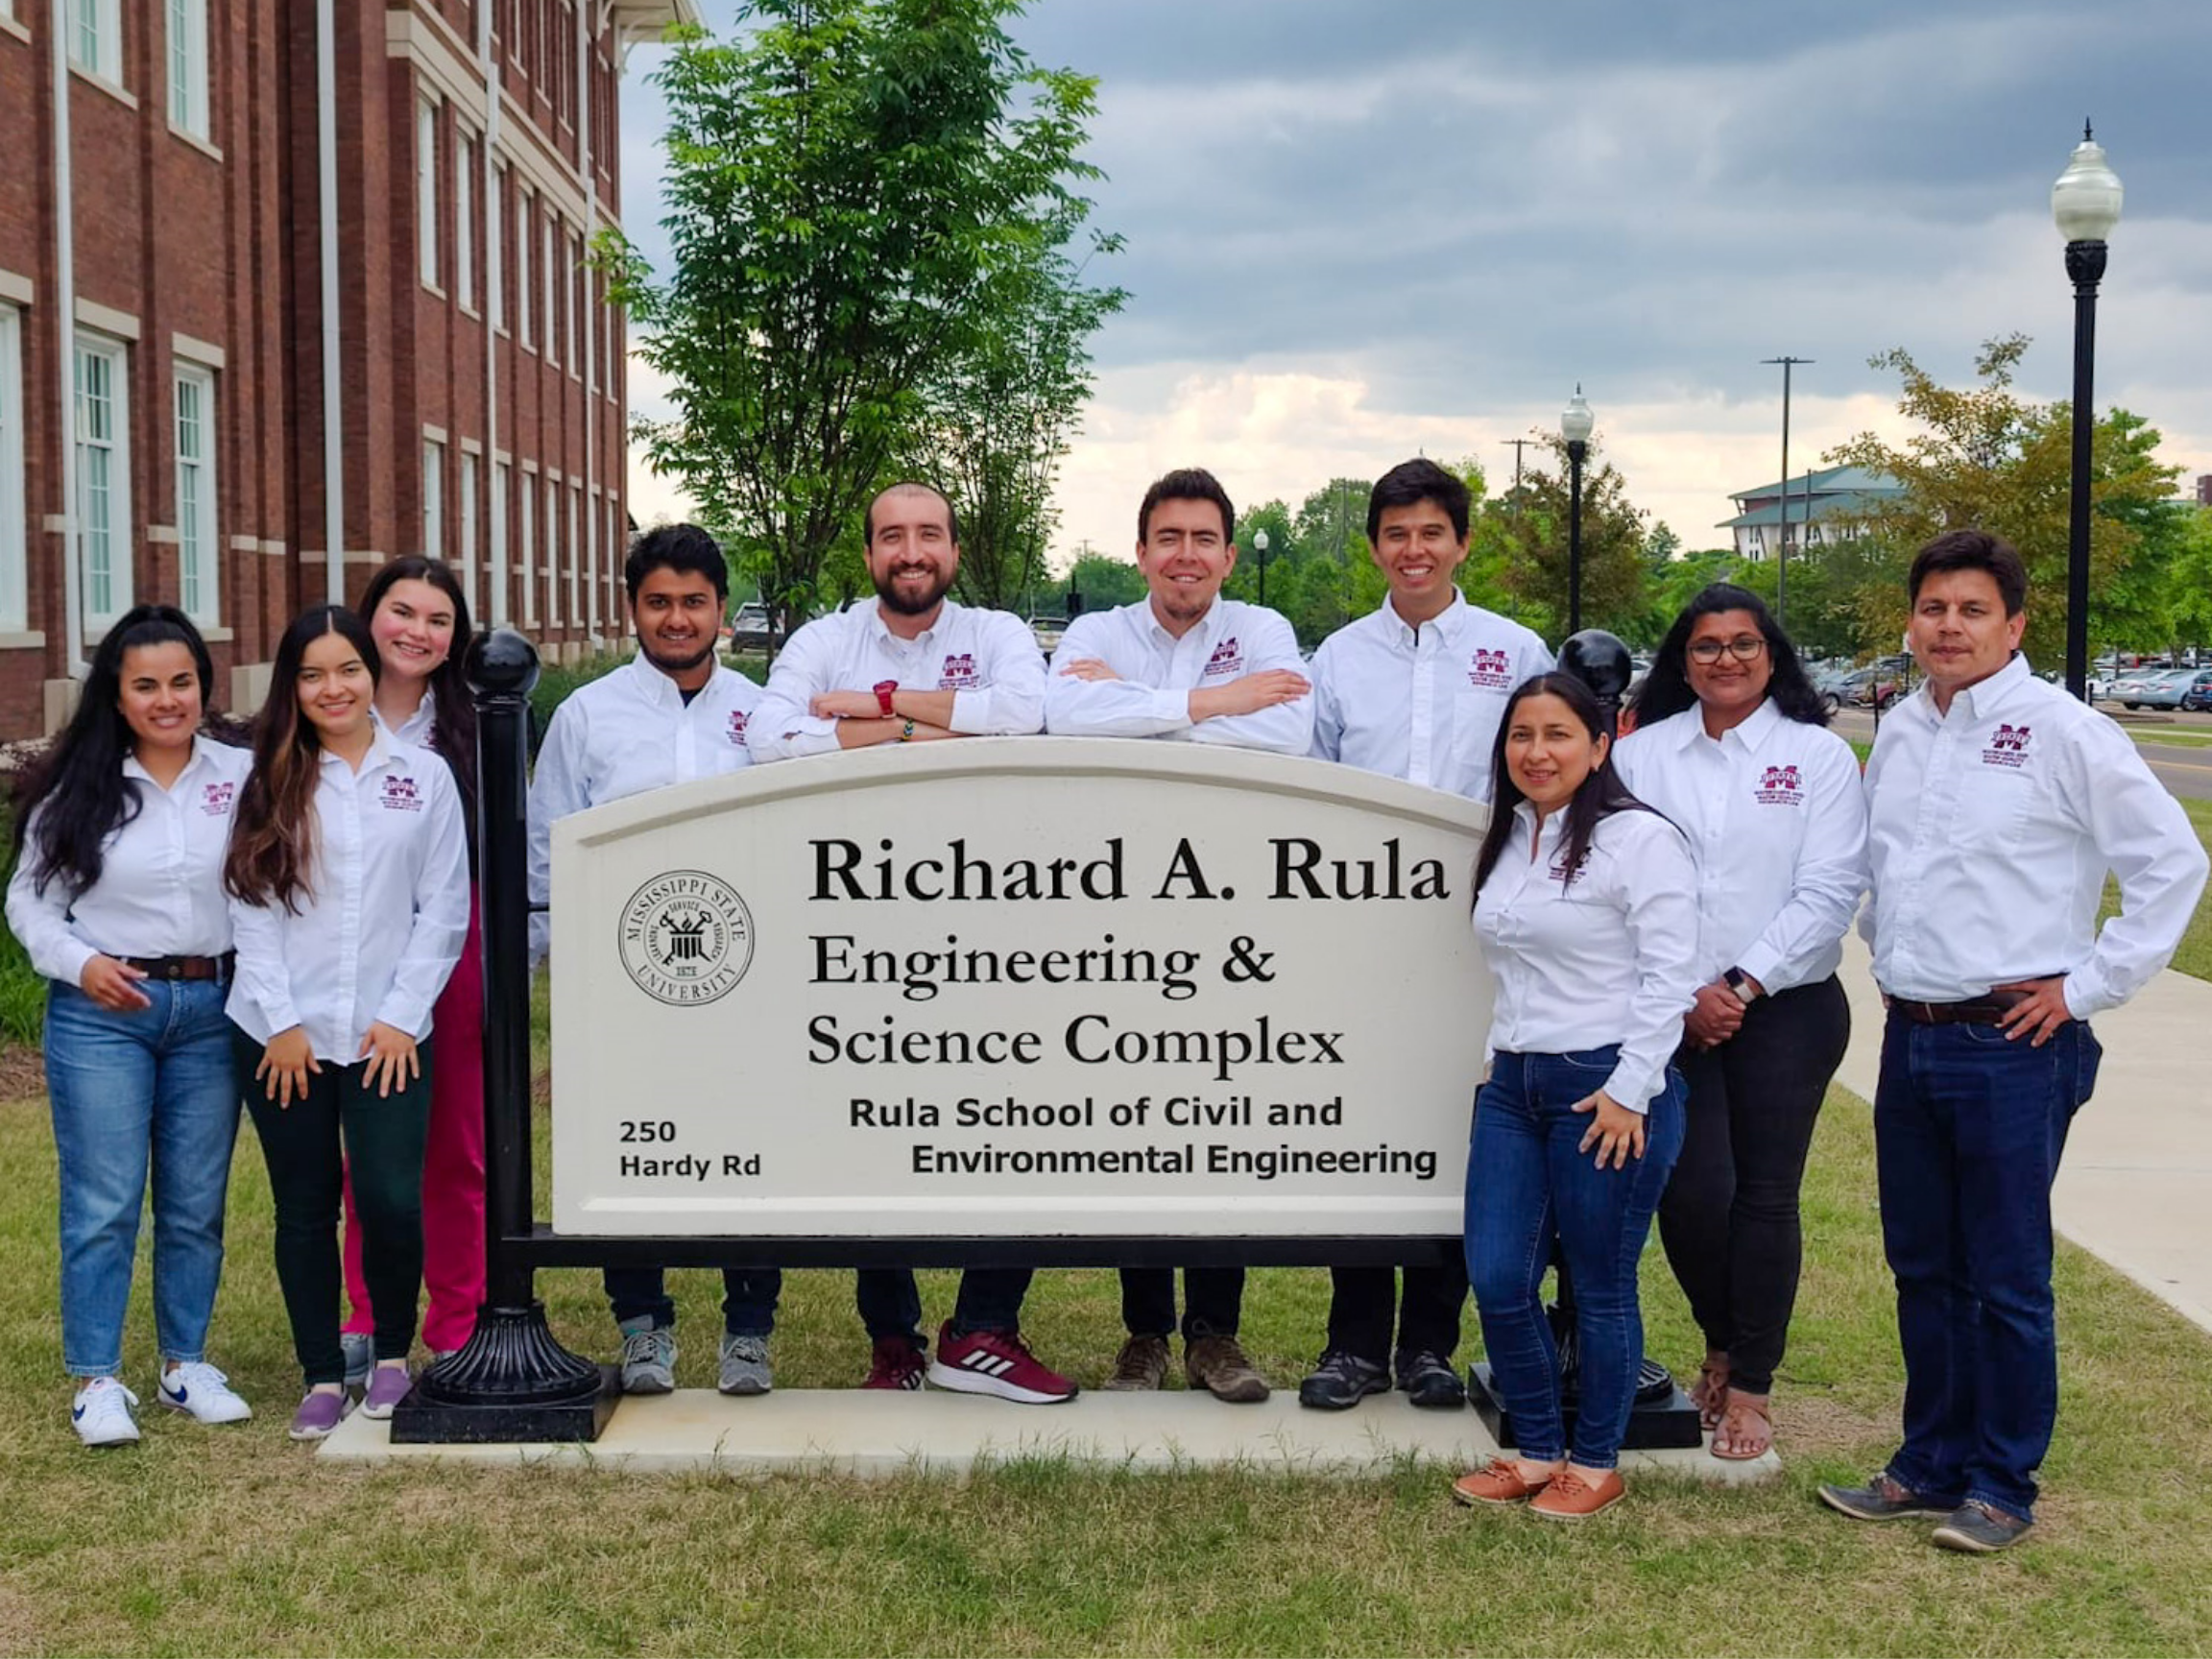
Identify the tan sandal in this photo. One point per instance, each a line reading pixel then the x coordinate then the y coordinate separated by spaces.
pixel 1746 1423
pixel 1710 1393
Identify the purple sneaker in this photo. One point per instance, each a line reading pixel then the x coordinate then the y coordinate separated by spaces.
pixel 388 1385
pixel 319 1414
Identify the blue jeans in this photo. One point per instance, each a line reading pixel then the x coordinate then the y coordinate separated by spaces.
pixel 748 1297
pixel 148 1090
pixel 1527 1182
pixel 989 1299
pixel 1968 1128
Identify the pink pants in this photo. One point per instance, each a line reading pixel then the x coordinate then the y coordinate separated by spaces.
pixel 452 1167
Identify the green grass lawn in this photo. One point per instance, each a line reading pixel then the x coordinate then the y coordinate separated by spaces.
pixel 235 1540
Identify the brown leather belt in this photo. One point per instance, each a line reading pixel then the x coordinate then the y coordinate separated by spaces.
pixel 218 968
pixel 1985 1010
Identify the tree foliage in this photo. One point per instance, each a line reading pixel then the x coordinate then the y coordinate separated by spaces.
pixel 1534 566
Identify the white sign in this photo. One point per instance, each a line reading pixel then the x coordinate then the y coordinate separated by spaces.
pixel 1018 986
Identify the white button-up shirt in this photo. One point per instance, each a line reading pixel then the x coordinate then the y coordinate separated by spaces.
pixel 621 735
pixel 1607 957
pixel 1158 673
pixel 1990 833
pixel 161 887
pixel 384 917
pixel 1776 819
pixel 988 660
pixel 1421 703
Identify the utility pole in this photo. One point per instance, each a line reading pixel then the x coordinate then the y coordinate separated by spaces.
pixel 1518 444
pixel 1782 545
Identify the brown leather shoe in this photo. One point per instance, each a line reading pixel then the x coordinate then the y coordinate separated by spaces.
pixel 1217 1366
pixel 1141 1365
pixel 1500 1483
pixel 1571 1498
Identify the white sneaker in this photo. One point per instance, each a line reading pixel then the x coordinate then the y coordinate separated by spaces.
pixel 204 1393
pixel 101 1413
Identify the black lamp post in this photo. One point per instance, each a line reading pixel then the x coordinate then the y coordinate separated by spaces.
pixel 1575 426
pixel 1260 546
pixel 2086 202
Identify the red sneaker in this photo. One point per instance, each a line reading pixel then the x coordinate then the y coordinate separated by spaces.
pixel 896 1362
pixel 995 1363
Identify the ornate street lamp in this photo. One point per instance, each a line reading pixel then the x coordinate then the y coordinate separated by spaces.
pixel 2086 202
pixel 1260 546
pixel 1576 426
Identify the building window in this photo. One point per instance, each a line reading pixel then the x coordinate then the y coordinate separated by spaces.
pixel 188 66
pixel 525 227
pixel 552 554
pixel 102 479
pixel 494 278
pixel 551 314
pixel 96 37
pixel 575 275
pixel 496 571
pixel 575 552
pixel 464 219
pixel 197 545
pixel 433 499
pixel 426 190
pixel 467 549
pixel 15 545
pixel 526 544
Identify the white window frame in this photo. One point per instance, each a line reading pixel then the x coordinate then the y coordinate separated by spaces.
pixel 575 247
pixel 552 553
pixel 14 533
pixel 103 21
pixel 526 541
pixel 496 283
pixel 433 499
pixel 575 553
pixel 463 217
pixel 495 562
pixel 188 73
pixel 426 191
pixel 105 554
pixel 552 311
pixel 468 546
pixel 525 229
pixel 608 577
pixel 198 545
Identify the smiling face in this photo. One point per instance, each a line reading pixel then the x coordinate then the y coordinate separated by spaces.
pixel 1420 554
pixel 1732 684
pixel 1549 752
pixel 159 696
pixel 678 616
pixel 1186 556
pixel 413 629
pixel 912 556
pixel 335 688
pixel 1960 633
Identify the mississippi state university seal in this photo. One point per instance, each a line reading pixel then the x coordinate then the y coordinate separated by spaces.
pixel 686 937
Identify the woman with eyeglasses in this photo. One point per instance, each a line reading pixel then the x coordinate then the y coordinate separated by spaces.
pixel 1731 743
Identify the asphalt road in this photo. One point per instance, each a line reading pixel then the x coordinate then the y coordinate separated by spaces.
pixel 2184 768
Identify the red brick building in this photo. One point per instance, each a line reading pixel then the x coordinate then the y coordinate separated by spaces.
pixel 327 304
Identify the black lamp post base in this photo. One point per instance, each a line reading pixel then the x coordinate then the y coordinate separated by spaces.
pixel 1664 1418
pixel 513 1383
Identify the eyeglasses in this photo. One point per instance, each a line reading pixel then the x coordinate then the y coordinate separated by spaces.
pixel 1744 648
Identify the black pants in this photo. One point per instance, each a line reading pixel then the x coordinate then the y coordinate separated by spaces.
pixel 1729 1218
pixel 990 1299
pixel 1212 1297
pixel 383 1138
pixel 1361 1301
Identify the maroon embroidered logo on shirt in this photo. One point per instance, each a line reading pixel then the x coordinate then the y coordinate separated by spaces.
pixel 738 727
pixel 400 794
pixel 2007 746
pixel 216 798
pixel 1491 669
pixel 959 673
pixel 1779 786
pixel 1228 659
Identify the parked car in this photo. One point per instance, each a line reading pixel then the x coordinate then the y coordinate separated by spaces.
pixel 1047 632
pixel 749 628
pixel 1872 686
pixel 2164 690
pixel 2198 694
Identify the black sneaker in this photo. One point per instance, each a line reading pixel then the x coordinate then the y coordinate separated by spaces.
pixel 1341 1380
pixel 1428 1382
pixel 1977 1530
pixel 1881 1499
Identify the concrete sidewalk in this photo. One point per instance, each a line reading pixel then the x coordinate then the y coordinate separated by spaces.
pixel 2135 1188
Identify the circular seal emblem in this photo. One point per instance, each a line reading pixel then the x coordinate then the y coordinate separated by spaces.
pixel 686 937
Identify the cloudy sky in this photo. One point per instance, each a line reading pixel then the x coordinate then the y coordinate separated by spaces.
pixel 1362 231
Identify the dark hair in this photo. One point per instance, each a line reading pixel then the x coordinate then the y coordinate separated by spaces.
pixel 1972 550
pixel 1601 794
pixel 273 829
pixel 1411 482
pixel 1665 689
pixel 1185 484
pixel 867 519
pixel 453 711
pixel 81 783
pixel 675 548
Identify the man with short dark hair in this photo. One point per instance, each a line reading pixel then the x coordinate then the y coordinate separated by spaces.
pixel 1186 664
pixel 674 714
pixel 1414 689
pixel 1998 805
pixel 916 667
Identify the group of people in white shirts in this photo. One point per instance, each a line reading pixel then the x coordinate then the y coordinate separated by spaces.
pixel 1662 911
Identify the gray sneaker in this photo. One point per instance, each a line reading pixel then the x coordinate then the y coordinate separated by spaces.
pixel 648 1357
pixel 744 1365
pixel 1977 1530
pixel 360 1349
pixel 1885 1498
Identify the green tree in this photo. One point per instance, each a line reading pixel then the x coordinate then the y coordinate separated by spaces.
pixel 849 182
pixel 1103 581
pixel 1536 535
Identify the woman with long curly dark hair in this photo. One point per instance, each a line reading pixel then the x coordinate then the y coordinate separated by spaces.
pixel 116 895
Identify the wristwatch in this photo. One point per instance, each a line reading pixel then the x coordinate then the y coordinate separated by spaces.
pixel 1740 982
pixel 885 689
